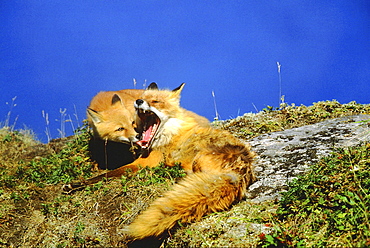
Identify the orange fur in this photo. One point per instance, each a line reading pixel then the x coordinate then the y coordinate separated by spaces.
pixel 113 118
pixel 219 168
pixel 102 101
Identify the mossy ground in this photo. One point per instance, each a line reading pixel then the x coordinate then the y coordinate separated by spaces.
pixel 35 213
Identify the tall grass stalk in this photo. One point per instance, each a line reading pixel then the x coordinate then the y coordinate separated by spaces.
pixel 144 85
pixel 76 115
pixel 63 120
pixel 8 116
pixel 62 130
pixel 71 121
pixel 217 117
pixel 76 119
pixel 280 87
pixel 47 129
pixel 135 83
pixel 255 108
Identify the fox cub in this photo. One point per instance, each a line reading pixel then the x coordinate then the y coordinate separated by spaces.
pixel 111 115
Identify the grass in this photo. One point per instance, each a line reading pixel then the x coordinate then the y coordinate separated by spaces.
pixel 330 206
pixel 31 175
pixel 289 116
pixel 51 169
pixel 322 208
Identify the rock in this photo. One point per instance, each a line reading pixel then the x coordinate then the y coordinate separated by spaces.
pixel 284 155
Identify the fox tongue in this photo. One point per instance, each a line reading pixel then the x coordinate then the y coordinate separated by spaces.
pixel 147 136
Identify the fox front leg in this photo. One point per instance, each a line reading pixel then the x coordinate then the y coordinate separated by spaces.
pixel 153 160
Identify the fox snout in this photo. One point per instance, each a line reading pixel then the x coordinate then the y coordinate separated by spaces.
pixel 138 102
pixel 143 107
pixel 141 104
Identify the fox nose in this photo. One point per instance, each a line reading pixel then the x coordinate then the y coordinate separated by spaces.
pixel 139 102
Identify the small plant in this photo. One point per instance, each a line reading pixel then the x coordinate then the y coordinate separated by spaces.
pixel 329 206
pixel 151 176
pixel 78 230
pixel 94 187
pixel 159 174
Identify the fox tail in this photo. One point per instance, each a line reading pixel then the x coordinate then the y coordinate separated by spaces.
pixel 197 195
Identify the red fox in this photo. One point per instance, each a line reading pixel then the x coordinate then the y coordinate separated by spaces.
pixel 111 115
pixel 218 165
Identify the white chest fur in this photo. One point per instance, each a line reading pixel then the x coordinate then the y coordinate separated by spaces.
pixel 166 132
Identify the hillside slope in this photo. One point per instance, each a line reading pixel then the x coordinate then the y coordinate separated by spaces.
pixel 35 213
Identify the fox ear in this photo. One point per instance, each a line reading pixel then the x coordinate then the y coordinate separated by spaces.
pixel 116 99
pixel 95 116
pixel 179 88
pixel 176 92
pixel 152 86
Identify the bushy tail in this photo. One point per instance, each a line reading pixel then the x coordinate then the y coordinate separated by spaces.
pixel 197 195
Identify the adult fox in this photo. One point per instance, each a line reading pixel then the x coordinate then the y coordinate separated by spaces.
pixel 218 165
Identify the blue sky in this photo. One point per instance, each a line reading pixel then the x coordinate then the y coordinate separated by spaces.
pixel 58 54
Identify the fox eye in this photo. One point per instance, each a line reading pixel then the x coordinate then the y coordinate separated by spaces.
pixel 155 101
pixel 120 129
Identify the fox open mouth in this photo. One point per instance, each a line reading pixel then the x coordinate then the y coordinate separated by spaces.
pixel 150 125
